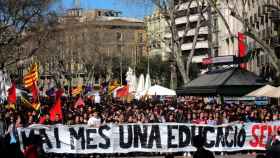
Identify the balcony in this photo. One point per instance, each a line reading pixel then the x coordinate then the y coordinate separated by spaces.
pixel 201 44
pixel 188 46
pixel 192 18
pixel 185 5
pixel 275 16
pixel 191 32
pixel 275 41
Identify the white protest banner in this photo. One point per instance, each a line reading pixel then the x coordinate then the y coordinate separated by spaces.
pixel 161 137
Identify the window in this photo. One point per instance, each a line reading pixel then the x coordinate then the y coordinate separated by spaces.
pixel 266 18
pixel 139 51
pixel 262 20
pixel 259 11
pixel 277 52
pixel 119 36
pixel 251 21
pixel 140 37
pixel 119 48
pixel 216 25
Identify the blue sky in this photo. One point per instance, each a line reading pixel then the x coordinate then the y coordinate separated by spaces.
pixel 138 10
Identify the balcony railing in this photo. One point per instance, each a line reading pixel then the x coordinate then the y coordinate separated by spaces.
pixel 275 41
pixel 275 16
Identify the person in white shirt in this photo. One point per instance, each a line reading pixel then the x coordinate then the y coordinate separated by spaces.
pixel 94 121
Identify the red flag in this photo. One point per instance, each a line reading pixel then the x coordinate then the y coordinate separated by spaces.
pixel 79 103
pixel 122 92
pixel 35 93
pixel 12 96
pixel 35 96
pixel 56 109
pixel 42 119
pixel 241 48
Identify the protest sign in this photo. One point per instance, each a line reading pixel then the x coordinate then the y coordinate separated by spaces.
pixel 154 137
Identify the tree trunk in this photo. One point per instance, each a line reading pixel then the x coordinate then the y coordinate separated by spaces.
pixel 182 70
pixel 213 5
pixel 109 70
pixel 250 32
pixel 189 60
pixel 176 47
pixel 173 76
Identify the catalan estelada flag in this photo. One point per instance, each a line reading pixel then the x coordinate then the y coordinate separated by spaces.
pixel 76 91
pixel 31 76
pixel 27 104
pixel 112 86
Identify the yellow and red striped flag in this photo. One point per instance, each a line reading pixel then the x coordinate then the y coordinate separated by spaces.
pixel 112 86
pixel 28 104
pixel 31 76
pixel 76 91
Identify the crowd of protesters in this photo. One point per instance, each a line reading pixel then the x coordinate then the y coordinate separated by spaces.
pixel 181 109
pixel 184 110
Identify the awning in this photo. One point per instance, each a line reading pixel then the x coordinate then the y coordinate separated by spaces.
pixel 226 82
pixel 263 91
pixel 158 90
pixel 275 93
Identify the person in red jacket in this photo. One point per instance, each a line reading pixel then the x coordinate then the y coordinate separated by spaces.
pixel 31 151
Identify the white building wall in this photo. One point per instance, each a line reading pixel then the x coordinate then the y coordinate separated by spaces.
pixel 226 45
pixel 265 30
pixel 156 29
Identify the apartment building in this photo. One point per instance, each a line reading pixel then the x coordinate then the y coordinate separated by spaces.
pixel 92 36
pixel 156 28
pixel 264 19
pixel 202 49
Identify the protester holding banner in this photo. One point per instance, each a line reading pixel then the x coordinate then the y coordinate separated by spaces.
pixel 201 152
pixel 12 136
pixel 165 113
pixel 94 121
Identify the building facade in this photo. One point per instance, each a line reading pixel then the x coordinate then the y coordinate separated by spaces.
pixel 156 28
pixel 214 39
pixel 264 19
pixel 202 49
pixel 86 40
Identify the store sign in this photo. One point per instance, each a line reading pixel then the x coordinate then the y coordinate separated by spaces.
pixel 218 60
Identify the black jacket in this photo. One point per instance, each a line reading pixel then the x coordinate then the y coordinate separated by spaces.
pixel 203 153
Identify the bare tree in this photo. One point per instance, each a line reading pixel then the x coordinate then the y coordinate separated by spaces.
pixel 240 11
pixel 22 21
pixel 169 9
